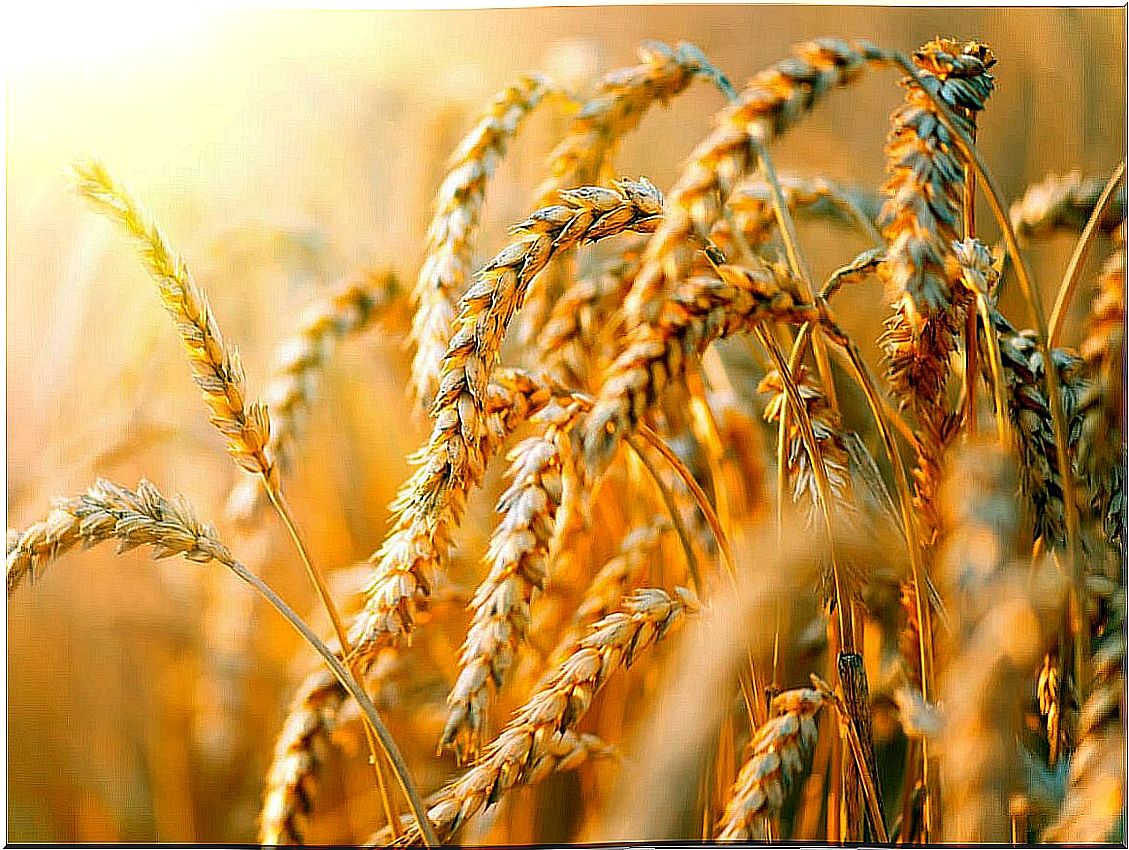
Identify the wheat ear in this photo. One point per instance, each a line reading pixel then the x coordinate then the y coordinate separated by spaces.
pixel 1095 796
pixel 455 455
pixel 1030 415
pixel 774 100
pixel 518 568
pixel 349 309
pixel 828 430
pixel 775 760
pixel 583 157
pixel 450 238
pixel 1102 407
pixel 109 512
pixel 216 368
pixel 814 197
pixel 515 757
pixel 297 759
pixel 699 311
pixel 1063 203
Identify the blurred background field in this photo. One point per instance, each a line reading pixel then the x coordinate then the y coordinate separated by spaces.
pixel 283 150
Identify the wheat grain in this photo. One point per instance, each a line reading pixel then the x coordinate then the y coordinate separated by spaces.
pixel 450 237
pixel 216 368
pixel 348 309
pixel 775 759
pixel 518 568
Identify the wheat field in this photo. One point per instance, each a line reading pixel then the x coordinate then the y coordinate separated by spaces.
pixel 648 424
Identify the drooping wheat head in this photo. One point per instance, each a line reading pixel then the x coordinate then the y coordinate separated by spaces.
pixel 446 268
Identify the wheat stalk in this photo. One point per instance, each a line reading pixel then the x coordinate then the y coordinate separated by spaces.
pixel 518 562
pixel 516 755
pixel 776 756
pixel 446 267
pixel 773 101
pixel 300 360
pixel 216 368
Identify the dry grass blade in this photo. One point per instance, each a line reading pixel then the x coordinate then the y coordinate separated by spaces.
pixel 776 757
pixel 216 368
pixel 515 756
pixel 518 568
pixel 446 269
pixel 774 100
pixel 348 309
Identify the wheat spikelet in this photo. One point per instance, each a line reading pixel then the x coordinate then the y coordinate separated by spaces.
pixel 110 512
pixel 776 756
pixel 773 101
pixel 450 237
pixel 518 560
pixel 1062 202
pixel 1102 406
pixel 517 755
pixel 216 368
pixel 419 539
pixel 699 311
pixel 1093 810
pixel 828 431
pixel 348 309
